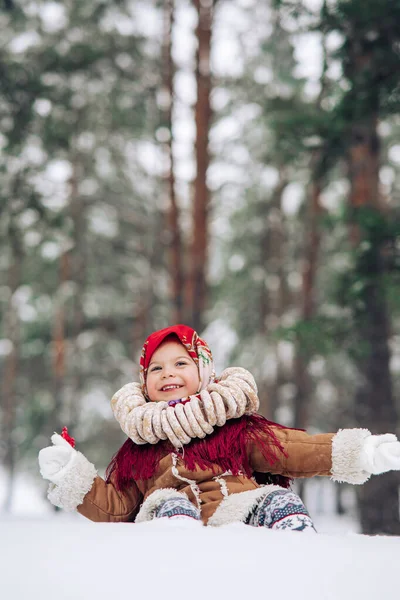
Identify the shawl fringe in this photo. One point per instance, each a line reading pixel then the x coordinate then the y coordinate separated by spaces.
pixel 225 448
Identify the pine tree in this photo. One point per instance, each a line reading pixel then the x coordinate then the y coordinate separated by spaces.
pixel 80 100
pixel 370 60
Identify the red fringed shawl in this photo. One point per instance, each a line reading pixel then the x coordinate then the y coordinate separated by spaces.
pixel 225 448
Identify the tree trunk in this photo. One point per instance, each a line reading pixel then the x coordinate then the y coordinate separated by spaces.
pixel 272 249
pixel 78 273
pixel 374 403
pixel 312 245
pixel 272 259
pixel 59 343
pixel 196 287
pixel 175 238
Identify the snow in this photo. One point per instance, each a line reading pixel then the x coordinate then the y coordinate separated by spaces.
pixel 46 554
pixel 70 557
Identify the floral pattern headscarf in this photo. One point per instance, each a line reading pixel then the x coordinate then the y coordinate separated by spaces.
pixel 196 347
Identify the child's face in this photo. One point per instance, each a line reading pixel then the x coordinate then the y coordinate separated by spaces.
pixel 172 374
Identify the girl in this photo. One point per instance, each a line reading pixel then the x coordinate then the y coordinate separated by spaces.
pixel 198 449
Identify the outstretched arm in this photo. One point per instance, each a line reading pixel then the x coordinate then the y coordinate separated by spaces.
pixel 75 485
pixel 350 455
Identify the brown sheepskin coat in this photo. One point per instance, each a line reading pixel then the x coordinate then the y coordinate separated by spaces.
pixel 306 456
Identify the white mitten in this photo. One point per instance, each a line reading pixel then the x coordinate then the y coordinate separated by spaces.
pixel 55 461
pixel 380 453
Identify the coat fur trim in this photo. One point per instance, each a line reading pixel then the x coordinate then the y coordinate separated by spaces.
pixel 236 507
pixel 73 487
pixel 149 506
pixel 347 445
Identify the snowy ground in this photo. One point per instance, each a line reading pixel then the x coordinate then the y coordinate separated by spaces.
pixel 54 556
pixel 73 559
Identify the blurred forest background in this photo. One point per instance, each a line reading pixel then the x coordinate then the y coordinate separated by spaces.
pixel 230 164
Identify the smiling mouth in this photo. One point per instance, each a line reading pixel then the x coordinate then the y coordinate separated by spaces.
pixel 170 388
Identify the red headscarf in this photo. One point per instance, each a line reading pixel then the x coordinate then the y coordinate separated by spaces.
pixel 197 349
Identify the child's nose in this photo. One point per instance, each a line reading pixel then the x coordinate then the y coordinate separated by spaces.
pixel 168 373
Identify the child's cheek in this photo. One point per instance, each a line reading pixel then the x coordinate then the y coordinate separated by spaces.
pixel 150 389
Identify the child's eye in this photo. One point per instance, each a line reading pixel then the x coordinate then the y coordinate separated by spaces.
pixel 154 369
pixel 181 362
